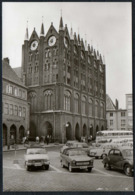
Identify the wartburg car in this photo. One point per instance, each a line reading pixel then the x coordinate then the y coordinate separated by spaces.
pixel 122 159
pixel 36 157
pixel 76 158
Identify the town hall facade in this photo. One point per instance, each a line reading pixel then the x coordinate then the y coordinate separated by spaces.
pixel 66 84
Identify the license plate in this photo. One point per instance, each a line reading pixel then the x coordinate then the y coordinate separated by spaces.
pixel 83 167
pixel 37 164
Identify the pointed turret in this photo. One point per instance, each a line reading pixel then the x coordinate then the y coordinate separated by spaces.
pixel 92 53
pixel 26 35
pixel 75 38
pixel 86 46
pixel 89 47
pixel 79 42
pixel 42 34
pixel 71 34
pixel 95 54
pixel 61 24
pixel 98 58
pixel 103 59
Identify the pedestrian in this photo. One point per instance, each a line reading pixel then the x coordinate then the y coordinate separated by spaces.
pixel 47 139
pixel 37 139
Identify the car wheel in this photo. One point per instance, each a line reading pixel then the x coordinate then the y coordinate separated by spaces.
pixel 70 168
pixel 46 167
pixel 62 164
pixel 28 168
pixel 96 157
pixel 107 166
pixel 103 156
pixel 43 167
pixel 89 169
pixel 127 170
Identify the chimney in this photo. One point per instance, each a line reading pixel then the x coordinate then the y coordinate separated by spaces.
pixel 6 60
pixel 117 104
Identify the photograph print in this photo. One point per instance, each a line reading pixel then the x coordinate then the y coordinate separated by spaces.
pixel 67 102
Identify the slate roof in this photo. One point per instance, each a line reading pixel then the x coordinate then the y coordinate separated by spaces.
pixel 18 71
pixel 109 103
pixel 9 74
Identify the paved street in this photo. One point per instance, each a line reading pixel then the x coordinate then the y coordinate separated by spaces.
pixel 16 178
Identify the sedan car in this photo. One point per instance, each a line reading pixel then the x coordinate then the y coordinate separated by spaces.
pixel 101 151
pixel 69 144
pixel 120 158
pixel 36 156
pixel 76 158
pixel 82 145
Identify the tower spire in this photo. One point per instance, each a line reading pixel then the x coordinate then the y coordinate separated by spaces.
pixel 86 46
pixel 42 29
pixel 61 23
pixel 71 34
pixel 26 34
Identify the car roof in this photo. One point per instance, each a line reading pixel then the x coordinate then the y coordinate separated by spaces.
pixel 73 149
pixel 35 146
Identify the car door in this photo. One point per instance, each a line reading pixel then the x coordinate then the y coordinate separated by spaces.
pixel 117 158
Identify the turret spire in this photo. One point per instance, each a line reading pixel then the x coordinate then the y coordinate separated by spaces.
pixel 26 34
pixel 61 23
pixel 98 58
pixel 71 34
pixel 86 46
pixel 42 33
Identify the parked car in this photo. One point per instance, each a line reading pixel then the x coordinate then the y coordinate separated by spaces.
pixel 69 144
pixel 76 158
pixel 82 145
pixel 36 156
pixel 101 151
pixel 120 158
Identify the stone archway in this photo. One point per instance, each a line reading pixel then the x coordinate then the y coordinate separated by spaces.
pixel 48 129
pixel 84 130
pixel 97 128
pixel 77 132
pixel 21 133
pixel 4 135
pixel 13 134
pixel 102 128
pixel 68 131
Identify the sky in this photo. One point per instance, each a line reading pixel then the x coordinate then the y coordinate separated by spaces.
pixel 106 26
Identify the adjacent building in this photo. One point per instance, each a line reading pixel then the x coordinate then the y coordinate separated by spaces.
pixel 129 108
pixel 119 119
pixel 15 108
pixel 66 84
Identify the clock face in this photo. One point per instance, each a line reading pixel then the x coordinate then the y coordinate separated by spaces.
pixel 34 45
pixel 52 41
pixel 66 42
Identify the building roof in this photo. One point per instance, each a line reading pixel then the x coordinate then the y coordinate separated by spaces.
pixel 9 74
pixel 18 71
pixel 109 103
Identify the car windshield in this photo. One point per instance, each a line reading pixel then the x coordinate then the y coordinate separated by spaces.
pixel 36 151
pixel 76 153
pixel 127 153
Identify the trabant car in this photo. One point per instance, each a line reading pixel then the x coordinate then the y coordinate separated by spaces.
pixel 36 156
pixel 69 144
pixel 76 158
pixel 120 158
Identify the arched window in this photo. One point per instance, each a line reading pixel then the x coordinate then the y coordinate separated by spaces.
pixel 32 97
pixel 102 110
pixel 76 97
pixel 96 109
pixel 48 100
pixel 90 107
pixel 83 105
pixel 67 100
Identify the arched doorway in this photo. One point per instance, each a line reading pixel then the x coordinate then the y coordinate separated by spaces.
pixel 84 130
pixel 102 128
pixel 68 131
pixel 48 129
pixel 4 135
pixel 32 129
pixel 13 134
pixel 21 133
pixel 77 133
pixel 97 129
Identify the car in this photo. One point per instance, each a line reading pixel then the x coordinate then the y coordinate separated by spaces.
pixel 101 151
pixel 120 158
pixel 69 144
pixel 76 158
pixel 82 145
pixel 36 156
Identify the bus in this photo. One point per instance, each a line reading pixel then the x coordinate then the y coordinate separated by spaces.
pixel 109 135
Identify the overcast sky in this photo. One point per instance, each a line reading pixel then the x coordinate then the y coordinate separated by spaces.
pixel 107 27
